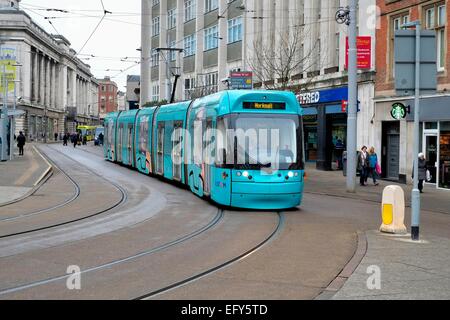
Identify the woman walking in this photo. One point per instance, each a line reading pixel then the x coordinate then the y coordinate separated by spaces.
pixel 422 171
pixel 373 161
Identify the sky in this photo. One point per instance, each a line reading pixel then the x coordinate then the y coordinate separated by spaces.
pixel 114 42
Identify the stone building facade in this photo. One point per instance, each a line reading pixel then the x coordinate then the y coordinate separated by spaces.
pixel 54 88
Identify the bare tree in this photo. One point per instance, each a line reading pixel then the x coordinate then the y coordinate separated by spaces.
pixel 274 66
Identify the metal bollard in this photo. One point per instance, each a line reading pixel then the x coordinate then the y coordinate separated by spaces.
pixel 393 210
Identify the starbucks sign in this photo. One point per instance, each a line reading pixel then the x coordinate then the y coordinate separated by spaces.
pixel 398 111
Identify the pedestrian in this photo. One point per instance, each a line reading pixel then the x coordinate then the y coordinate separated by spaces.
pixel 100 138
pixel 84 140
pixel 422 170
pixel 65 138
pixel 21 142
pixel 373 161
pixel 363 165
pixel 75 139
pixel 56 136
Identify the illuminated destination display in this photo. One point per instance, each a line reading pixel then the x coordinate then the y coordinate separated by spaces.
pixel 265 105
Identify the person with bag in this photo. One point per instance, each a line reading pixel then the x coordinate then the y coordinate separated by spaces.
pixel 422 170
pixel 373 162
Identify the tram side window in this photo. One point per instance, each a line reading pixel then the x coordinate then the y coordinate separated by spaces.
pixel 224 152
pixel 120 142
pixel 176 148
pixel 143 135
pixel 160 147
pixel 130 137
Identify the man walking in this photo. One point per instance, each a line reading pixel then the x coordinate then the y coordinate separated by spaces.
pixel 21 142
pixel 363 165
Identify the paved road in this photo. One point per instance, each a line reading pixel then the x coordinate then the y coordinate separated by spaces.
pixel 162 235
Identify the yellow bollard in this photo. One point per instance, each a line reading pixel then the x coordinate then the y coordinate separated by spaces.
pixel 393 210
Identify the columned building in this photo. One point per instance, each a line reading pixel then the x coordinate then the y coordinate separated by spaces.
pixel 287 44
pixel 54 86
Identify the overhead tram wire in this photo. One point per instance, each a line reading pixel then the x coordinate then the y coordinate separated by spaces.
pixel 105 12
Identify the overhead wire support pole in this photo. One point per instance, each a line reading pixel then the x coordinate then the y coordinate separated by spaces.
pixel 415 193
pixel 176 75
pixel 348 16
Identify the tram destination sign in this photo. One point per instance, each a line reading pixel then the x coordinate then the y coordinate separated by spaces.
pixel 265 105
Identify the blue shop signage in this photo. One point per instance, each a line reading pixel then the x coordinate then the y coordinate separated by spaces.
pixel 323 96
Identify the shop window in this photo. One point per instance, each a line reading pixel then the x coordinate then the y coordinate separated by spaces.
pixel 431 125
pixel 444 156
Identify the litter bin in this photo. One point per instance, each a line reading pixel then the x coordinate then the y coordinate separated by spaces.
pixel 344 163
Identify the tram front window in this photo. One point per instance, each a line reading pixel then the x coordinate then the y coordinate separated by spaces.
pixel 267 141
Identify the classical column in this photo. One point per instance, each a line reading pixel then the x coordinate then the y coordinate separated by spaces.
pixel 35 81
pixel 47 83
pixel 41 80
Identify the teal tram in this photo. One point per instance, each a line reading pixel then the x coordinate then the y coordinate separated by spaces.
pixel 240 148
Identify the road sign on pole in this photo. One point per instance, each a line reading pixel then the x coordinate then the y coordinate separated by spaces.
pixel 415 72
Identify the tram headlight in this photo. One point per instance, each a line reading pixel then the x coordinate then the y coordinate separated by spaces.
pixel 290 174
pixel 239 174
pixel 245 174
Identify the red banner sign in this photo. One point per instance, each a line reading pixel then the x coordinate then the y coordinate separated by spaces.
pixel 364 49
pixel 344 105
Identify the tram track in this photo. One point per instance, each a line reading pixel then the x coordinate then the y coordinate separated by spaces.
pixel 123 199
pixel 219 267
pixel 60 205
pixel 212 223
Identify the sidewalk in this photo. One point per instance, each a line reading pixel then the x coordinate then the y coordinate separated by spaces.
pixel 432 199
pixel 20 176
pixel 408 271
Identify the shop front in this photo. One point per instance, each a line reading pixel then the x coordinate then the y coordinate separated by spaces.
pixel 325 127
pixel 397 136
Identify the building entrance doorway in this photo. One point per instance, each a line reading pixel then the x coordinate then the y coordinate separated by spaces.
pixel 430 148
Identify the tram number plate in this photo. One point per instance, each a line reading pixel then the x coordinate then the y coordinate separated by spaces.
pixel 265 105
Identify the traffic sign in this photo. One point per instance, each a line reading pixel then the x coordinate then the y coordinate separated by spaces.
pixel 241 80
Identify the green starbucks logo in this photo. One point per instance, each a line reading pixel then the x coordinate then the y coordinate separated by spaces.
pixel 398 111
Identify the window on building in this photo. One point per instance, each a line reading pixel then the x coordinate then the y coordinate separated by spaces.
pixel 155 58
pixel 155 92
pixel 189 85
pixel 190 45
pixel 172 18
pixel 235 30
pixel 190 7
pixel 336 53
pixel 211 38
pixel 396 24
pixel 155 2
pixel 211 5
pixel 155 26
pixel 211 82
pixel 172 54
pixel 435 19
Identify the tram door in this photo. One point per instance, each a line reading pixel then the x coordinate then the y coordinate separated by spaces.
pixel 119 143
pixel 160 149
pixel 208 148
pixel 177 157
pixel 130 144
